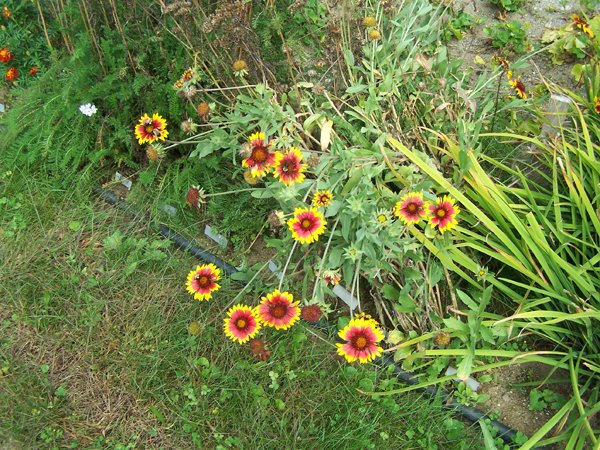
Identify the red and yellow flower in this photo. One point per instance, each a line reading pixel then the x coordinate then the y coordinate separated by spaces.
pixel 411 208
pixel 278 310
pixel 597 105
pixel 261 159
pixel 241 323
pixel 6 13
pixel 6 55
pixel 332 277
pixel 12 74
pixel 202 281
pixel 151 129
pixel 583 26
pixel 307 225
pixel 443 213
pixel 517 85
pixel 289 167
pixel 361 336
pixel 322 198
pixel 34 71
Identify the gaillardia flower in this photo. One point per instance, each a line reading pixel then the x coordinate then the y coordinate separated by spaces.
pixel 443 213
pixel 149 130
pixel 517 85
pixel 12 74
pixel 583 26
pixel 332 277
pixel 34 71
pixel 322 198
pixel 241 323
pixel 260 160
pixel 278 310
pixel 411 208
pixel 6 55
pixel 361 338
pixel 597 105
pixel 307 225
pixel 289 167
pixel 201 282
pixel 6 13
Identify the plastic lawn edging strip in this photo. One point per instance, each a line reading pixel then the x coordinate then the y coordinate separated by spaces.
pixel 473 414
pixel 168 233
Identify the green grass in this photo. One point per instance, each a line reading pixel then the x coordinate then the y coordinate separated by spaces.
pixel 95 353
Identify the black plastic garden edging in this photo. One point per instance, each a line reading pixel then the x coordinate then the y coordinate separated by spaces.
pixel 467 412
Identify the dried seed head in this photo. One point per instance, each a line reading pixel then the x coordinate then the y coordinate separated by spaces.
pixel 369 21
pixel 258 348
pixel 155 152
pixel 374 35
pixel 203 109
pixel 442 339
pixel 276 219
pixel 195 197
pixel 188 126
pixel 246 150
pixel 194 328
pixel 240 65
pixel 311 313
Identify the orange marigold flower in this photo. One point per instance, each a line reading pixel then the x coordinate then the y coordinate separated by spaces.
pixel 12 74
pixel 34 71
pixel 6 55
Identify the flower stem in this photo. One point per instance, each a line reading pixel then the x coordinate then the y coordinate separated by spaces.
pixel 230 192
pixel 287 263
pixel 335 224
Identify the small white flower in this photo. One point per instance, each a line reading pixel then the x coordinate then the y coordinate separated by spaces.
pixel 89 109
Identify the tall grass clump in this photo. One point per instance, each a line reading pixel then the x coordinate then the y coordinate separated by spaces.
pixel 536 245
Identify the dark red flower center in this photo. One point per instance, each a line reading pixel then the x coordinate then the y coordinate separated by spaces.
pixel 203 281
pixel 412 207
pixel 257 345
pixel 241 323
pixel 260 154
pixel 278 311
pixel 597 108
pixel 441 213
pixel 360 342
pixel 306 224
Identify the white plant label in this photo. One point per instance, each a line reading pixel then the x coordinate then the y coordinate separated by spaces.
pixel 123 180
pixel 218 238
pixel 346 297
pixel 273 268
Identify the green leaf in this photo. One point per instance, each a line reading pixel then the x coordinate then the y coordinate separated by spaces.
pixel 356 88
pixel 75 225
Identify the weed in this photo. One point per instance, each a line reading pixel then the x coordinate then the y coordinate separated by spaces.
pixel 508 36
